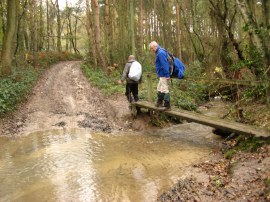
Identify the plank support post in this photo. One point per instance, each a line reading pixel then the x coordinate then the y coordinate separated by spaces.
pixel 149 88
pixel 134 110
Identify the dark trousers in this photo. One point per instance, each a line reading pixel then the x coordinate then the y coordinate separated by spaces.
pixel 132 90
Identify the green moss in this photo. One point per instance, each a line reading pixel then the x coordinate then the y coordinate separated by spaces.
pixel 267 182
pixel 229 154
pixel 267 186
pixel 248 144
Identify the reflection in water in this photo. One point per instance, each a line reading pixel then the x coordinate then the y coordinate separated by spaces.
pixel 76 165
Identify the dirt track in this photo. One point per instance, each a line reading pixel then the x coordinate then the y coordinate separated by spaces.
pixel 63 98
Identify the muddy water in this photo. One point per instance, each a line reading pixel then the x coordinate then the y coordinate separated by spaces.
pixel 77 165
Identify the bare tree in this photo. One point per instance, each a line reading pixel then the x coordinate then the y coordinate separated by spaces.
pixel 90 32
pixel 178 31
pixel 141 28
pixel 59 46
pixel 109 31
pixel 97 36
pixel 6 57
pixel 132 32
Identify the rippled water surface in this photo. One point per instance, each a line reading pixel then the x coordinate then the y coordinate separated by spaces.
pixel 77 165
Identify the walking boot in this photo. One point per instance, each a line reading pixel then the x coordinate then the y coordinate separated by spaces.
pixel 167 103
pixel 159 99
pixel 129 98
pixel 136 98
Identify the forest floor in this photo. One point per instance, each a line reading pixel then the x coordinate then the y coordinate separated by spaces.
pixel 63 98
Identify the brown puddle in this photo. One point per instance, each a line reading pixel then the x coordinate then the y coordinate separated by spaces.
pixel 77 165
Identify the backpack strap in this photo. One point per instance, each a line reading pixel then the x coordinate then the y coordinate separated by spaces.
pixel 171 82
pixel 129 66
pixel 164 50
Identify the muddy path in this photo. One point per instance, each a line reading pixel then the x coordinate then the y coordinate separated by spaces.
pixel 63 98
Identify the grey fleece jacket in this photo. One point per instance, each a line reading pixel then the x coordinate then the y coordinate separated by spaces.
pixel 126 71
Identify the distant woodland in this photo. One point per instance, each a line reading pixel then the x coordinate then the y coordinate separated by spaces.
pixel 232 35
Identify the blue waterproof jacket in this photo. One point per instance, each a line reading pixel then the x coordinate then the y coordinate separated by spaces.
pixel 162 63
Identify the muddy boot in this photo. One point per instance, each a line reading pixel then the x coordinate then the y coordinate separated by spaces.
pixel 159 99
pixel 167 103
pixel 129 98
pixel 136 98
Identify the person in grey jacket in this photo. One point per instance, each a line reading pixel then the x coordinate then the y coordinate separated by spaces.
pixel 131 86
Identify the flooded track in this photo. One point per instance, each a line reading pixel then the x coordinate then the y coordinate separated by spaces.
pixel 68 143
pixel 77 165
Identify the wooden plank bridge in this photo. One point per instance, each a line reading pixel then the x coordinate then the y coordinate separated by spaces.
pixel 217 123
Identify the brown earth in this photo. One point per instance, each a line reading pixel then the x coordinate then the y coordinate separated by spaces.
pixel 63 98
pixel 243 178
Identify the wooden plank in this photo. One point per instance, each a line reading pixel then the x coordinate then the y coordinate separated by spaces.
pixel 223 124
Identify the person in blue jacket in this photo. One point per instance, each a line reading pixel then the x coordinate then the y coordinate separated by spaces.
pixel 163 72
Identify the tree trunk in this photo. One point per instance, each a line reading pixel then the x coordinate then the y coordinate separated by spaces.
pixel 6 57
pixel 266 9
pixel 224 24
pixel 154 21
pixel 71 35
pixel 132 32
pixel 48 25
pixel 41 27
pixel 75 36
pixel 59 46
pixel 115 26
pixel 89 25
pixel 108 28
pixel 247 16
pixel 20 31
pixel 178 31
pixel 141 36
pixel 97 36
pixel 2 27
pixel 258 39
pixel 35 33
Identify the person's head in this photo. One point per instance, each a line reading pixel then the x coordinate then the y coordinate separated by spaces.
pixel 153 46
pixel 131 57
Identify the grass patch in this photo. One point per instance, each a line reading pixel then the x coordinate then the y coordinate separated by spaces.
pixel 230 153
pixel 267 185
pixel 267 182
pixel 247 144
pixel 102 81
pixel 250 144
